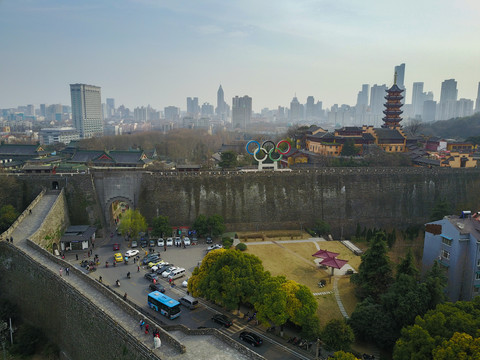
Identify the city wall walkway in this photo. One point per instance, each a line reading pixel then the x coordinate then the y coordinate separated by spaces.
pixel 197 347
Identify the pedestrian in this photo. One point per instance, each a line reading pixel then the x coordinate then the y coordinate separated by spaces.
pixel 141 324
pixel 165 247
pixel 67 271
pixel 30 211
pixel 134 260
pixel 170 281
pixel 11 239
pixel 76 256
pixel 138 268
pixel 125 296
pixel 157 342
pixel 146 329
pixel 61 270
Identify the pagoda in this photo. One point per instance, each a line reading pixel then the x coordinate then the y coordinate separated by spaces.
pixel 392 107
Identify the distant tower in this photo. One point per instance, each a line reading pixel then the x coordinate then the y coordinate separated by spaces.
pixel 87 110
pixel 221 110
pixel 392 110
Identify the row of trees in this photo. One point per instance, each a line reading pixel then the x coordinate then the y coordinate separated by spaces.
pixel 231 278
pixel 391 301
pixel 133 222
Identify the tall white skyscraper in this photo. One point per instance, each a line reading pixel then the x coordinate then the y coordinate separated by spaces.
pixel 418 97
pixel 87 110
pixel 400 71
pixel 448 100
pixel 241 111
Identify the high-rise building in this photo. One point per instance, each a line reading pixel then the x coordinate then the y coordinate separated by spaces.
pixel 296 110
pixel 30 110
pixel 362 97
pixel 477 103
pixel 87 110
pixel 207 109
pixel 449 91
pixel 172 113
pixel 417 98
pixel 222 107
pixel 43 108
pixel 241 111
pixel 110 107
pixel 310 108
pixel 464 108
pixel 140 114
pixel 429 110
pixel 192 106
pixel 377 97
pixel 400 71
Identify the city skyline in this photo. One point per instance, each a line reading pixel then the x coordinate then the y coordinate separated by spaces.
pixel 270 53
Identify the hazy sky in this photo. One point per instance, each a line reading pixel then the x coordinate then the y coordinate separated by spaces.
pixel 158 52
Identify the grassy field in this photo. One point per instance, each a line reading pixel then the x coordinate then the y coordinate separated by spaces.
pixel 295 262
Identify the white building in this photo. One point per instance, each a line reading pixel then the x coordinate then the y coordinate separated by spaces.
pixel 87 110
pixel 49 136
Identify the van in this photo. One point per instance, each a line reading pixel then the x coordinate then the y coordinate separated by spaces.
pixel 177 273
pixel 189 302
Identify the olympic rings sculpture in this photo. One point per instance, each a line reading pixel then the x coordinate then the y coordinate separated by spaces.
pixel 269 148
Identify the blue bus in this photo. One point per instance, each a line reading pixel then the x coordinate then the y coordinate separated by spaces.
pixel 163 304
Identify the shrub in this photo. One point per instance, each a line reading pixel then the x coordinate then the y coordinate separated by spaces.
pixel 241 247
pixel 227 242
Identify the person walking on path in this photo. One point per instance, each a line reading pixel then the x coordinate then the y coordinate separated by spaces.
pixel 141 324
pixel 138 268
pixel 76 256
pixel 60 271
pixel 11 239
pixel 67 271
pixel 146 329
pixel 30 211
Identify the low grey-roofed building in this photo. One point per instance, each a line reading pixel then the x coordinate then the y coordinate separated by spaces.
pixel 78 237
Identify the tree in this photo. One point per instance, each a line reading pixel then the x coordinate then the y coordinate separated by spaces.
pixel 338 335
pixel 407 266
pixel 8 215
pixel 436 281
pixel 216 225
pixel 375 272
pixel 201 225
pixel 321 227
pixel 161 226
pixel 460 347
pixel 271 301
pixel 228 159
pixel 415 343
pixel 342 355
pixel 440 209
pixel 132 223
pixel 349 148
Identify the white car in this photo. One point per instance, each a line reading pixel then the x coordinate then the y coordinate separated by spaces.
pixel 186 241
pixel 131 253
pixel 160 242
pixel 168 271
pixel 185 283
pixel 178 241
pixel 214 247
pixel 169 242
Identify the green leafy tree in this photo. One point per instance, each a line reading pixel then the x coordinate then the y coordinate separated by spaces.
pixel 436 281
pixel 321 227
pixel 271 301
pixel 460 347
pixel 415 343
pixel 216 225
pixel 201 225
pixel 132 223
pixel 228 159
pixel 342 355
pixel 8 215
pixel 375 272
pixel 161 226
pixel 407 266
pixel 440 209
pixel 338 335
pixel 349 148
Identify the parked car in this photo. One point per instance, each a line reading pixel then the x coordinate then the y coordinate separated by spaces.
pixel 134 244
pixel 156 263
pixel 160 242
pixel 170 242
pixel 118 257
pixel 150 257
pixel 168 271
pixel 186 241
pixel 194 241
pixel 222 320
pixel 143 243
pixel 152 243
pixel 178 241
pixel 157 287
pixel 151 276
pixel 131 253
pixel 116 247
pixel 161 268
pixel 214 247
pixel 251 338
pixel 208 240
